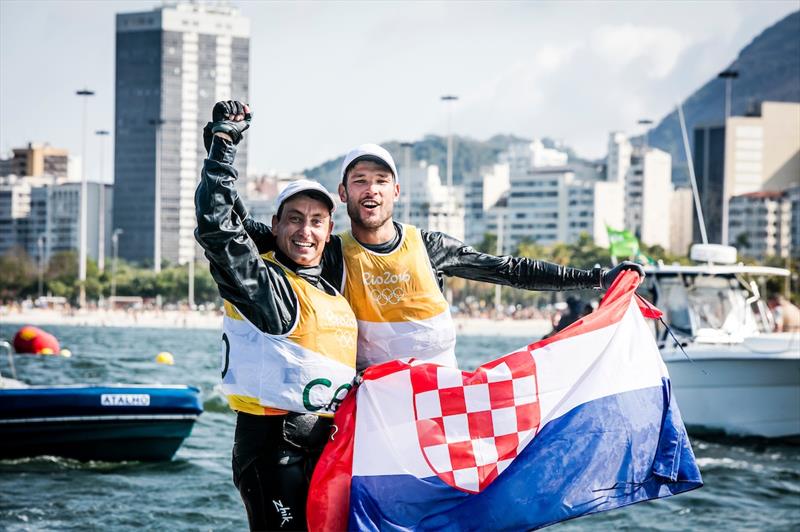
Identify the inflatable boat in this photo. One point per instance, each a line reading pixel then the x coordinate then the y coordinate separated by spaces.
pixel 110 423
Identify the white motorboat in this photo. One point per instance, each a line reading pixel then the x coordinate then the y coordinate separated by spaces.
pixel 736 376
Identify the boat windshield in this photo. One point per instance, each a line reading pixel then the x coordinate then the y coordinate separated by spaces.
pixel 702 305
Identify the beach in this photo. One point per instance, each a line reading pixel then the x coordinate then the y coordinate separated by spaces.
pixel 212 320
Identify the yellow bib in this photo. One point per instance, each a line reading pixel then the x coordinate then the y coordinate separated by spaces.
pixel 307 370
pixel 400 310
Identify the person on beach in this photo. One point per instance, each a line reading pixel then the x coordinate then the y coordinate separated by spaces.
pixel 289 336
pixel 392 273
pixel 785 313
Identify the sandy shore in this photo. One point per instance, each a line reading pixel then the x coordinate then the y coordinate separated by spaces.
pixel 164 319
pixel 180 319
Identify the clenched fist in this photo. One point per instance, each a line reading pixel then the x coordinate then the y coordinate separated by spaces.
pixel 229 117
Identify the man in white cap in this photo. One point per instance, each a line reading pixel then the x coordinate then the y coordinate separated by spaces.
pixel 392 273
pixel 289 342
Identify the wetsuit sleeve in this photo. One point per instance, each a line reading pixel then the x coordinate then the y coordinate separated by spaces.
pixel 450 256
pixel 259 291
pixel 261 234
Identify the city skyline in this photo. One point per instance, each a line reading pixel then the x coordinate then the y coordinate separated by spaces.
pixel 308 71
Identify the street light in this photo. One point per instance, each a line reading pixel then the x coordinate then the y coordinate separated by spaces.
pixel 645 123
pixel 500 244
pixel 157 122
pixel 40 245
pixel 101 219
pixel 407 163
pixel 449 99
pixel 728 75
pixel 114 248
pixel 84 93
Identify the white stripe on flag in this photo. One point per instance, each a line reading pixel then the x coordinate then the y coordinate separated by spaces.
pixel 615 359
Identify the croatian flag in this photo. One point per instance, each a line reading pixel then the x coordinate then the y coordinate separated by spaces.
pixel 579 423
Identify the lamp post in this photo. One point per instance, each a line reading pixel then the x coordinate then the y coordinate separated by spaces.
pixel 728 75
pixel 501 222
pixel 645 123
pixel 114 248
pixel 191 281
pixel 40 245
pixel 84 93
pixel 449 99
pixel 407 163
pixel 101 218
pixel 157 122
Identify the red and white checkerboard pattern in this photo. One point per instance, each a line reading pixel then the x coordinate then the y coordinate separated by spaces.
pixel 471 426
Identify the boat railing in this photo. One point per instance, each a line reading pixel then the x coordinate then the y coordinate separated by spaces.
pixel 7 347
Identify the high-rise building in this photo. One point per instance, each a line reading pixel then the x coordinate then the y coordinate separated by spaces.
pixel 793 196
pixel 546 200
pixel 709 163
pixel 482 191
pixel 760 151
pixel 681 212
pixel 36 160
pixel 760 224
pixel 41 215
pixel 646 175
pixel 15 205
pixel 619 156
pixel 172 64
pixel 648 186
pixel 548 205
pixel 433 205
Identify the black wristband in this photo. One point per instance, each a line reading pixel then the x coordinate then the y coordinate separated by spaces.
pixel 597 273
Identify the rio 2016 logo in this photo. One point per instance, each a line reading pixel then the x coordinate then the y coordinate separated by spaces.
pixel 385 278
pixel 380 286
pixel 333 404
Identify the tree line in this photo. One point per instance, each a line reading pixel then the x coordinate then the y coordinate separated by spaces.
pixel 19 275
pixel 19 279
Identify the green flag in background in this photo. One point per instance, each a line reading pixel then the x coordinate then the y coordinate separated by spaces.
pixel 622 244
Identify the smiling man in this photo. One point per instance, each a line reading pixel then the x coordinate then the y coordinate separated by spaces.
pixel 392 273
pixel 289 342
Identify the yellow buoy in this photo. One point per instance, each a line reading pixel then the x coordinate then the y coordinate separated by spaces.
pixel 165 357
pixel 46 351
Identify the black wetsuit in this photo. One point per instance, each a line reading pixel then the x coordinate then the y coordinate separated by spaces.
pixel 273 455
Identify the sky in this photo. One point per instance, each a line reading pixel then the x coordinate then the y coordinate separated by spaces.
pixel 326 76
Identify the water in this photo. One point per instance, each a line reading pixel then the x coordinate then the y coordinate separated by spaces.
pixel 748 485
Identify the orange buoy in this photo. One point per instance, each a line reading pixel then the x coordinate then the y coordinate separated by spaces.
pixel 35 341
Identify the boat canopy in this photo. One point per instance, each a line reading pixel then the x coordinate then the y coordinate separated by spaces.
pixel 713 269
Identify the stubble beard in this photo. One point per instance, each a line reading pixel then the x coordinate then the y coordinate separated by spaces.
pixel 371 224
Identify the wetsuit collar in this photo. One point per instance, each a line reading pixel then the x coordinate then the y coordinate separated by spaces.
pixel 309 273
pixel 388 246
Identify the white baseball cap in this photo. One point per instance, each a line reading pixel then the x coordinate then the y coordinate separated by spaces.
pixel 369 151
pixel 302 185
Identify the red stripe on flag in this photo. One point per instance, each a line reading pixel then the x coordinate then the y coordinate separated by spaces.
pixel 614 304
pixel 328 505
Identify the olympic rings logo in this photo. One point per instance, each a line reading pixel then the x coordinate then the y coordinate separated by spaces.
pixel 387 296
pixel 346 338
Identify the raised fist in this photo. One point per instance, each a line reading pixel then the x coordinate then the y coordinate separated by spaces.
pixel 230 117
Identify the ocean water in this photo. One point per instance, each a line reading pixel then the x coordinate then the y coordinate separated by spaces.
pixel 748 485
